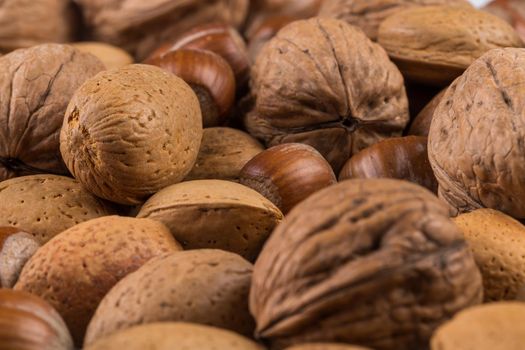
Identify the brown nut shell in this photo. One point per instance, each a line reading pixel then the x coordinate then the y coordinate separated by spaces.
pixel 495 326
pixel 223 153
pixel 36 85
pixel 214 214
pixel 403 158
pixel 325 346
pixel 421 124
pixel 130 132
pixel 16 247
pixel 322 82
pixel 498 244
pixel 476 144
pixel 287 174
pixel 376 263
pixel 29 323
pixel 112 56
pixel 435 44
pixel 79 266
pixel 45 205
pixel 206 286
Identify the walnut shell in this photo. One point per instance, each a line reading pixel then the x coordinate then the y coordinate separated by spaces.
pixel 324 83
pixel 45 205
pixel 141 26
pixel 215 214
pixel 112 56
pixel 16 247
pixel 368 14
pixel 36 85
pixel 206 286
pixel 376 263
pixel 130 132
pixel 174 336
pixel 79 266
pixel 476 144
pixel 435 44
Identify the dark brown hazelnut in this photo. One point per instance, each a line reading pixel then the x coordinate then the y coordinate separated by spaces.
pixel 210 77
pixel 421 124
pixel 16 247
pixel 287 174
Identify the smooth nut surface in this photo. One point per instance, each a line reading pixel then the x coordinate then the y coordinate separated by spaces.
pixel 130 132
pixel 214 214
pixel 111 56
pixel 16 247
pixel 205 286
pixel 45 205
pixel 79 266
pixel 376 263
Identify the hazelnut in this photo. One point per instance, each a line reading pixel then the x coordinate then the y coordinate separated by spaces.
pixel 421 124
pixel 495 326
pixel 174 335
pixel 36 85
pixel 435 44
pixel 205 286
pixel 16 247
pixel 403 158
pixel 366 262
pixel 287 174
pixel 75 269
pixel 322 82
pixel 210 77
pixel 45 205
pixel 130 132
pixel 223 153
pixel 214 214
pixel 111 56
pixel 29 323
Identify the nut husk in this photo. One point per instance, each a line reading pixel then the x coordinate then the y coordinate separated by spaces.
pixel 16 247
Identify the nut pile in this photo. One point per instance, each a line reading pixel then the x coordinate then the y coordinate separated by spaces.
pixel 262 175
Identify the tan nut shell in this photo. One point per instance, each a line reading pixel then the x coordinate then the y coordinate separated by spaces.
pixel 215 214
pixel 130 132
pixel 16 247
pixel 111 56
pixel 498 244
pixel 223 153
pixel 496 326
pixel 206 286
pixel 45 205
pixel 435 44
pixel 78 267
pixel 174 336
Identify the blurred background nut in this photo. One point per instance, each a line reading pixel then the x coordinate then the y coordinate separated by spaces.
pixel 476 144
pixel 374 262
pixel 16 247
pixel 403 158
pixel 29 323
pixel 223 153
pixel 205 286
pixel 322 82
pixel 435 44
pixel 36 85
pixel 496 326
pixel 174 336
pixel 45 205
pixel 130 132
pixel 325 346
pixel 214 214
pixel 512 11
pixel 79 266
pixel 287 174
pixel 111 56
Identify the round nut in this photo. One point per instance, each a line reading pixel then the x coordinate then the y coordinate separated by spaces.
pixel 498 244
pixel 130 132
pixel 223 153
pixel 36 85
pixel 112 56
pixel 496 326
pixel 16 247
pixel 79 266
pixel 376 263
pixel 206 286
pixel 45 205
pixel 215 214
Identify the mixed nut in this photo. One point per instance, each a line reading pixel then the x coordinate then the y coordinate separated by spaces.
pixel 266 174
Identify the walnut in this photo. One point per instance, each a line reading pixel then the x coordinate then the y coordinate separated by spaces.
pixel 324 83
pixel 376 263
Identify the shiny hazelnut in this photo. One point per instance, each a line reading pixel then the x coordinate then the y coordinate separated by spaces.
pixel 421 124
pixel 219 38
pixel 210 77
pixel 264 31
pixel 16 247
pixel 287 174
pixel 403 158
